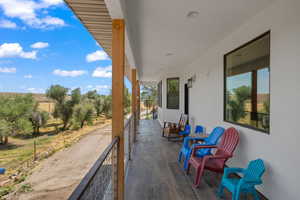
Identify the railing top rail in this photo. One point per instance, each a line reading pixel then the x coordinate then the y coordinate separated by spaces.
pixel 78 192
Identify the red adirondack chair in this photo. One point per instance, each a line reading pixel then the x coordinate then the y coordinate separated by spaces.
pixel 215 162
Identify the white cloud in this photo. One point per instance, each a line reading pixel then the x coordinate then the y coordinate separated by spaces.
pixel 35 90
pixel 97 55
pixel 7 24
pixel 29 76
pixel 71 73
pixel 39 45
pixel 99 88
pixel 8 70
pixel 30 11
pixel 52 2
pixel 103 72
pixel 9 50
pixel 31 89
pixel 53 21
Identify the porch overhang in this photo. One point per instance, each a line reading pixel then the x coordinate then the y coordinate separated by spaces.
pixel 95 16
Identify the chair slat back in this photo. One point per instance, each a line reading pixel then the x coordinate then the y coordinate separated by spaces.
pixel 215 135
pixel 255 170
pixel 212 139
pixel 227 145
pixel 199 129
pixel 229 141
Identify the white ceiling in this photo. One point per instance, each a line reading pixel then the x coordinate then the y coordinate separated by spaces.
pixel 158 27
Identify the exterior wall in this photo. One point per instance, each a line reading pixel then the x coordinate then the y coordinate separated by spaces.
pixel 280 149
pixel 171 115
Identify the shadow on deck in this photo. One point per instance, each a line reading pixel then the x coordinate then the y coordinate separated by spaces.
pixel 154 172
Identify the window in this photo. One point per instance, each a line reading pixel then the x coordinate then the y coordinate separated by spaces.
pixel 173 93
pixel 159 94
pixel 247 86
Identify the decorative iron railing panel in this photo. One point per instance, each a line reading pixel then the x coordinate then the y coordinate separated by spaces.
pixel 100 182
pixel 129 138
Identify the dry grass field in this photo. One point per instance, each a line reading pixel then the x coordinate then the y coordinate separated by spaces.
pixel 21 155
pixel 46 106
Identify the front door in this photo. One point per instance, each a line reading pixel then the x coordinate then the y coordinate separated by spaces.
pixel 186 99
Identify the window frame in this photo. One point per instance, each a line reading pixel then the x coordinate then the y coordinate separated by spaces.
pixel 167 103
pixel 159 94
pixel 225 84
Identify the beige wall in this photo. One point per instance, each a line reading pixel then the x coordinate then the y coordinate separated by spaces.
pixel 46 106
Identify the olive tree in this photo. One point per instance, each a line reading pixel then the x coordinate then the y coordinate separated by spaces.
pixel 83 113
pixel 65 103
pixel 14 115
pixel 38 119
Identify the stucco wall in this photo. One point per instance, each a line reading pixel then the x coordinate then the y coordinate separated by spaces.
pixel 280 149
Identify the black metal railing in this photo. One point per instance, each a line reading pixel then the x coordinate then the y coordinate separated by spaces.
pixel 101 181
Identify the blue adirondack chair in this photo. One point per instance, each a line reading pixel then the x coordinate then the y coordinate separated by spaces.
pixel 2 170
pixel 186 131
pixel 186 149
pixel 251 176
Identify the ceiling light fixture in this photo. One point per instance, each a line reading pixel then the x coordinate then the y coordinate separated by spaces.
pixel 192 14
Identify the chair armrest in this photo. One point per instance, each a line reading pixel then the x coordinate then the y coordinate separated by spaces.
pixel 199 146
pixel 194 138
pixel 186 141
pixel 228 171
pixel 216 157
pixel 202 146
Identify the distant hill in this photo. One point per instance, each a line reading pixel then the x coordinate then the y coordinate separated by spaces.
pixel 38 97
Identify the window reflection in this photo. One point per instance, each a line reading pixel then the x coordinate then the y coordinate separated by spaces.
pixel 247 75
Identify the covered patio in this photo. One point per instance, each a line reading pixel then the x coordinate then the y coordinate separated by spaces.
pixel 154 172
pixel 214 61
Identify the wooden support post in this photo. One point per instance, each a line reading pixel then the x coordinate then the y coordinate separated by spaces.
pixel 134 101
pixel 118 63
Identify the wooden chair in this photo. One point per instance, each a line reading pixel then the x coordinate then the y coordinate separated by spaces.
pixel 215 162
pixel 171 130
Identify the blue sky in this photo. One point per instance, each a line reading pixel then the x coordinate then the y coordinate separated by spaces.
pixel 43 43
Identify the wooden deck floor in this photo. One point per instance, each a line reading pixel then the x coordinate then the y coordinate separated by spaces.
pixel 154 172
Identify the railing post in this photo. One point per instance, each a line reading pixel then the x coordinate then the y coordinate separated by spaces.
pixel 134 101
pixel 118 63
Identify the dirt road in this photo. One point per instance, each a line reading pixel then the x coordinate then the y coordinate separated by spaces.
pixel 56 177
